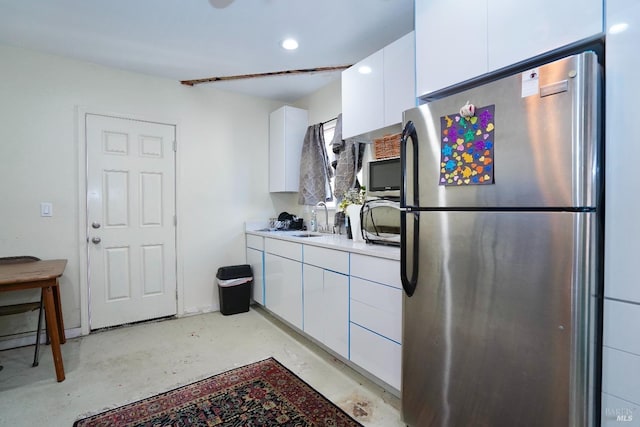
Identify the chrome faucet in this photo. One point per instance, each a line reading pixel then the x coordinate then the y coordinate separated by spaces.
pixel 326 216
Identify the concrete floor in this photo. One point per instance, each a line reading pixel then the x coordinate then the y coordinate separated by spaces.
pixel 114 367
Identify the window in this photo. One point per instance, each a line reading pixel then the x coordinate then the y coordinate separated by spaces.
pixel 329 129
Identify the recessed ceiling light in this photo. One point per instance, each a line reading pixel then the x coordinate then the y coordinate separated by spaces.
pixel 289 44
pixel 365 69
pixel 618 28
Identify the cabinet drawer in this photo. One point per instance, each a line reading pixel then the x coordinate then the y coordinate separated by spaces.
pixel 255 242
pixel 329 259
pixel 377 307
pixel 284 249
pixel 376 354
pixel 379 270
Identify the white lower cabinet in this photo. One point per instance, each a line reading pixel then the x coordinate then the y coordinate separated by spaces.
pixel 326 307
pixel 283 280
pixel 256 261
pixel 376 329
pixel 349 302
pixel 255 258
pixel 377 307
pixel 376 317
pixel 376 354
pixel 313 300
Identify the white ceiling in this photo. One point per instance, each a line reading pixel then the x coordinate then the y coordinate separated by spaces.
pixel 190 39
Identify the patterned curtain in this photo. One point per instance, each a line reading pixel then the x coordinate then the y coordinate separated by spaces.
pixel 315 170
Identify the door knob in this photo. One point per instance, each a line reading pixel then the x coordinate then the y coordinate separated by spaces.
pixel 95 224
pixel 96 240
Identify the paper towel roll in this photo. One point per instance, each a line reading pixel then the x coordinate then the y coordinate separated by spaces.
pixel 353 211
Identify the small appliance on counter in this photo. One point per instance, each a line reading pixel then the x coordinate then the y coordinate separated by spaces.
pixel 286 221
pixel 380 221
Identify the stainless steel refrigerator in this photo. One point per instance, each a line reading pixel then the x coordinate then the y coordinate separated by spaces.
pixel 501 260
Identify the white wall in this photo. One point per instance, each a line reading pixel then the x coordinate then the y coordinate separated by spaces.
pixel 323 104
pixel 221 167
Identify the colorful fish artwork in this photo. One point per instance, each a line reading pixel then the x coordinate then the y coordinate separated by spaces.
pixel 473 139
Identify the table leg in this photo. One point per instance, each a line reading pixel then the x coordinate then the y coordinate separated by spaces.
pixel 54 333
pixel 58 305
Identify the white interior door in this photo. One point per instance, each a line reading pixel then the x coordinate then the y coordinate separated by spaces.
pixel 130 220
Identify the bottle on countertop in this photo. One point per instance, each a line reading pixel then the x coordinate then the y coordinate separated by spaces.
pixel 314 221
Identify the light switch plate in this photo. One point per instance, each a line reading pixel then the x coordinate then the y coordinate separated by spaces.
pixel 46 209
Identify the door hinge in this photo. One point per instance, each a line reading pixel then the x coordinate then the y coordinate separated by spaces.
pixel 175 145
pixel 175 220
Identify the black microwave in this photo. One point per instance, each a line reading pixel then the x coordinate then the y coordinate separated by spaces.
pixel 385 177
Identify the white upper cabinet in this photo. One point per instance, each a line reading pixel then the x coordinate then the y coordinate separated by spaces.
pixel 518 30
pixel 468 38
pixel 362 103
pixel 451 42
pixel 399 78
pixel 376 90
pixel 622 228
pixel 287 128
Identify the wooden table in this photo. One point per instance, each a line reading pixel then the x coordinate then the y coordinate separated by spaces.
pixel 44 275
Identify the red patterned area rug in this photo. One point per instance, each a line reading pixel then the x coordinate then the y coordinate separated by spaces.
pixel 262 394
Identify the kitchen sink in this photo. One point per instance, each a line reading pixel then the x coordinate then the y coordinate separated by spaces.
pixel 307 235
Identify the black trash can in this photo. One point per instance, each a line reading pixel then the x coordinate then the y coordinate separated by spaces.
pixel 234 288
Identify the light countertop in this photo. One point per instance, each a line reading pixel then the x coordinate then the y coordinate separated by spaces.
pixel 332 241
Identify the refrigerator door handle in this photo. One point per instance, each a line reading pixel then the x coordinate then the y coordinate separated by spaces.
pixel 409 284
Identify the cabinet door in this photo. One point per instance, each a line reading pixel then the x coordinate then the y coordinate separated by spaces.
pixel 451 42
pixel 287 128
pixel 254 259
pixel 378 355
pixel 362 96
pixel 399 78
pixel 283 288
pixel 314 309
pixel 336 312
pixel 517 31
pixel 326 308
pixel 622 237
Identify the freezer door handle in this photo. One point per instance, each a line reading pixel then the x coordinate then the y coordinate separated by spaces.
pixel 409 133
pixel 409 283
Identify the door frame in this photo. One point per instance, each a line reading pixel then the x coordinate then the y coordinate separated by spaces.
pixel 83 229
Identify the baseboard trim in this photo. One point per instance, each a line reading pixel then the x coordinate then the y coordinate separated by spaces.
pixel 7 343
pixel 193 311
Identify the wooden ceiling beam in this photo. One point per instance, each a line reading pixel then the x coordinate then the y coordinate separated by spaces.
pixel 259 75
